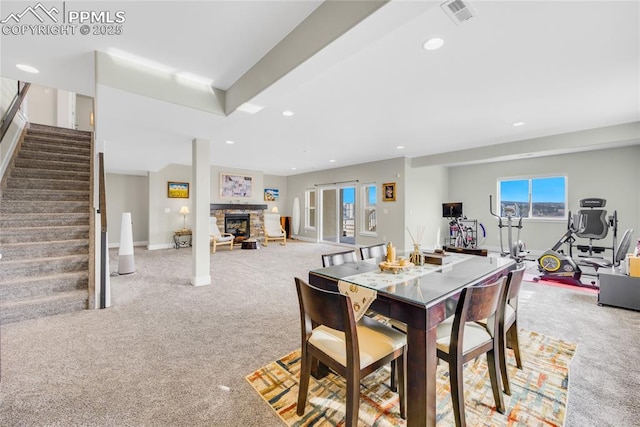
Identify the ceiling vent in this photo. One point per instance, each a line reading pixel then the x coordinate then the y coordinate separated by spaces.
pixel 459 11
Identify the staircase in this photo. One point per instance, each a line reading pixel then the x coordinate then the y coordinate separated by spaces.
pixel 44 225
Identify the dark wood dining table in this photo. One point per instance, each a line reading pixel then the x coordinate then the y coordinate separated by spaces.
pixel 418 297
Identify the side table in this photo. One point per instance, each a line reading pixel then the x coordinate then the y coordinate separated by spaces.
pixel 182 238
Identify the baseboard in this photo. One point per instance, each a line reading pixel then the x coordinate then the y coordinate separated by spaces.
pixel 161 246
pixel 117 244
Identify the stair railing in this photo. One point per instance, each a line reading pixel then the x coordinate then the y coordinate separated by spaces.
pixel 102 209
pixel 14 106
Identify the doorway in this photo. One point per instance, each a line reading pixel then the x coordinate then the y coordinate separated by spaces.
pixel 337 214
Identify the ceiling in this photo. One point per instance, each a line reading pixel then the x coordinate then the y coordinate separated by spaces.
pixel 557 66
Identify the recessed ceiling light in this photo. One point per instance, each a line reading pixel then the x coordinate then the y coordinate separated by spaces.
pixel 399 147
pixel 516 124
pixel 27 68
pixel 293 169
pixel 332 161
pixel 230 142
pixel 433 43
pixel 287 113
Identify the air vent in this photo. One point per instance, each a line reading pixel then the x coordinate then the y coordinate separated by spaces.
pixel 458 10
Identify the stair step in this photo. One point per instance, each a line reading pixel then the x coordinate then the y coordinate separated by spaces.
pixel 47 145
pixel 39 129
pixel 43 220
pixel 42 195
pixel 22 206
pixel 31 173
pixel 42 266
pixel 48 184
pixel 55 248
pixel 44 234
pixel 29 287
pixel 54 157
pixel 51 165
pixel 32 308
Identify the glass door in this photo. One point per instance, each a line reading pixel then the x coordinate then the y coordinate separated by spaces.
pixel 338 214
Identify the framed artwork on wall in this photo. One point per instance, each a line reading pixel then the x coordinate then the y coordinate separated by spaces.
pixel 389 192
pixel 233 186
pixel 271 194
pixel 178 190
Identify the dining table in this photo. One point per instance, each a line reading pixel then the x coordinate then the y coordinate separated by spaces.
pixel 421 296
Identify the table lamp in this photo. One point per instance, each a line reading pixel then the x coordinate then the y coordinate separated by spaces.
pixel 184 211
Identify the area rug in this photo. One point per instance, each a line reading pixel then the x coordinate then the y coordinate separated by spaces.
pixel 538 392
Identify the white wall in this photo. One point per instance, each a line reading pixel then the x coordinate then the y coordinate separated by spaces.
pixel 610 174
pixel 391 217
pixel 42 105
pixel 427 189
pixel 127 193
pixel 279 183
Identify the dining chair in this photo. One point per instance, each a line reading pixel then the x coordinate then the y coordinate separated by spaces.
pixel 460 339
pixel 331 335
pixel 378 251
pixel 508 325
pixel 338 258
pixel 273 230
pixel 216 238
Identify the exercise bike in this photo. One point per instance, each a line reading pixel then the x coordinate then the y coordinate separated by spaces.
pixel 554 265
pixel 517 249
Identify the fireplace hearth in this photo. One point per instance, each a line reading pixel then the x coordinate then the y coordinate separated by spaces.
pixel 237 224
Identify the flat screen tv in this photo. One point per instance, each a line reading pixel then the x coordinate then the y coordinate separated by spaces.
pixel 452 210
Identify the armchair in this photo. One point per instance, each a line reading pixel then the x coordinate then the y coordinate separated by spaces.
pixel 273 229
pixel 217 238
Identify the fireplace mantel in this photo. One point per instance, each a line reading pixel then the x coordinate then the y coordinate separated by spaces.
pixel 222 206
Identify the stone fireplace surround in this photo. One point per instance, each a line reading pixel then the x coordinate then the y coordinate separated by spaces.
pixel 255 211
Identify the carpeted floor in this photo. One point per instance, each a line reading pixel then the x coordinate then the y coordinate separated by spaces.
pixel 170 354
pixel 538 395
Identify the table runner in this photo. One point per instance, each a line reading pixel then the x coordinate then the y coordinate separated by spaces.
pixel 383 279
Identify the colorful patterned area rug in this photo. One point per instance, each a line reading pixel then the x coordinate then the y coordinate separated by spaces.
pixel 538 392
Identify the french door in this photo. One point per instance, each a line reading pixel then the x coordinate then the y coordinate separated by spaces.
pixel 338 213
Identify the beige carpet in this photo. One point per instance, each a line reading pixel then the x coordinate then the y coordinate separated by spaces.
pixel 170 354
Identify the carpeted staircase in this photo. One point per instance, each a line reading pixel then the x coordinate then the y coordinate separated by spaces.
pixel 44 225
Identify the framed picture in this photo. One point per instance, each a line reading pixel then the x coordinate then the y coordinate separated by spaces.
pixel 271 194
pixel 233 186
pixel 178 190
pixel 389 192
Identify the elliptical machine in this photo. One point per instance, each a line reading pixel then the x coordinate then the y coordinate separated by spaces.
pixel 517 249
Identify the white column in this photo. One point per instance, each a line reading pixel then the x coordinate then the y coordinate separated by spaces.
pixel 201 179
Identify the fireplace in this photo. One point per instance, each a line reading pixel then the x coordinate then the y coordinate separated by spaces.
pixel 237 224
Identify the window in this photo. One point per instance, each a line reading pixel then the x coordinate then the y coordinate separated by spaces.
pixel 310 209
pixel 369 213
pixel 541 198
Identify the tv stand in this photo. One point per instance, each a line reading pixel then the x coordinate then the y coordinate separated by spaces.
pixel 618 290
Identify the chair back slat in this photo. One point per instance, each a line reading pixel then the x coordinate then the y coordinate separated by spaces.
pixel 378 251
pixel 323 307
pixel 338 258
pixel 480 302
pixel 515 282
